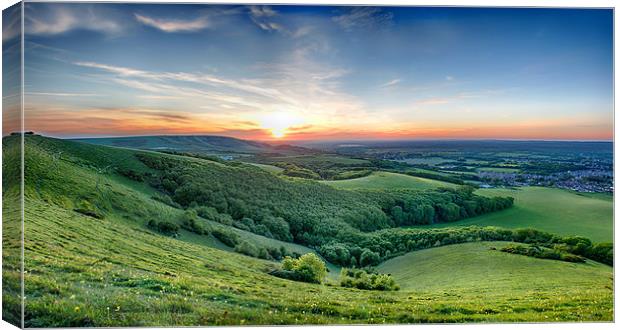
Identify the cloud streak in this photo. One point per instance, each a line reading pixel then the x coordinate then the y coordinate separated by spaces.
pixel 391 83
pixel 364 18
pixel 174 25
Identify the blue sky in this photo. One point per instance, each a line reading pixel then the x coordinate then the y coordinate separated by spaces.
pixel 267 72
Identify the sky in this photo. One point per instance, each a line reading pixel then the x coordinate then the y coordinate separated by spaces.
pixel 318 73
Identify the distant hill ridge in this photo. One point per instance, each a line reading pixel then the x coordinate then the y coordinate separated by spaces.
pixel 183 143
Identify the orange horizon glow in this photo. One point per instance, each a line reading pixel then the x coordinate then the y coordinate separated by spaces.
pixel 289 125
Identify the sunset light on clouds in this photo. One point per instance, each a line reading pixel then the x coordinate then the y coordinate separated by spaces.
pixel 303 73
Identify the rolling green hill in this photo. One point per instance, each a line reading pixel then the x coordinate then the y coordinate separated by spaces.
pixel 553 210
pixel 91 260
pixel 475 267
pixel 387 180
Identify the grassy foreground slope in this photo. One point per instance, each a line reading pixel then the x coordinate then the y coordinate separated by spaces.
pixel 387 180
pixel 113 271
pixel 553 210
pixel 87 272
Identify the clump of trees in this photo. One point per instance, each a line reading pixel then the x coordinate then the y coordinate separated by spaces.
pixel 541 253
pixel 293 170
pixel 442 205
pixel 363 280
pixel 307 268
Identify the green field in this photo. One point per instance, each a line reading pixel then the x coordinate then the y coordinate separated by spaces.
pixel 268 168
pixel 475 267
pixel 554 210
pixel 387 180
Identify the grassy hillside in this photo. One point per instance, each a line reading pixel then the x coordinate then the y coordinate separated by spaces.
pixel 462 266
pixel 113 270
pixel 387 180
pixel 88 272
pixel 553 210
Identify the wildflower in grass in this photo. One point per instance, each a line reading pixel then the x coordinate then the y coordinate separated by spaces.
pixel 76 309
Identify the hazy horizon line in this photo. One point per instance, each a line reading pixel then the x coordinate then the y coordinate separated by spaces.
pixel 340 140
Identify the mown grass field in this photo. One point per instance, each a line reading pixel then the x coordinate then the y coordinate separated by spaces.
pixel 114 271
pixel 553 210
pixel 387 180
pixel 268 168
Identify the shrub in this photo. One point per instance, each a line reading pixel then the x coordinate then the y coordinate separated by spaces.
pixel 164 227
pixel 363 280
pixel 307 268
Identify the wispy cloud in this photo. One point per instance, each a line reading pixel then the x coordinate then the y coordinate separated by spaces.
pixel 364 18
pixel 264 17
pixel 262 11
pixel 390 83
pixel 58 19
pixel 174 25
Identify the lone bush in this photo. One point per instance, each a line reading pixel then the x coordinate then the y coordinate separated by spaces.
pixel 307 268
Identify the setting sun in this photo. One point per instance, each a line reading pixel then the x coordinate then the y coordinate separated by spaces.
pixel 279 124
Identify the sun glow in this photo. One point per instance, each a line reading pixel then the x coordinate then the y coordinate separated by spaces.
pixel 280 124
